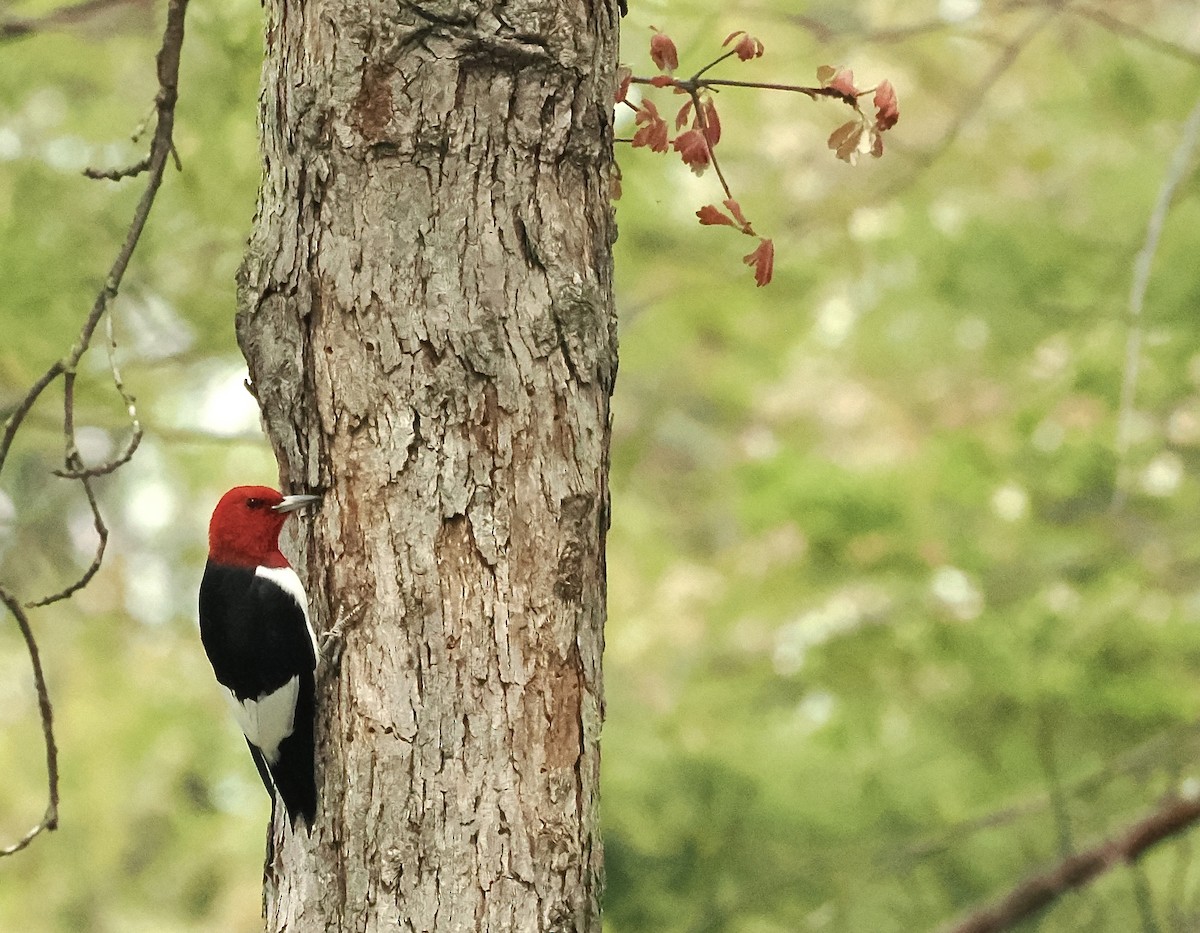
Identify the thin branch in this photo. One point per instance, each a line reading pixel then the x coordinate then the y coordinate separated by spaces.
pixel 974 97
pixel 1036 893
pixel 63 16
pixel 812 92
pixel 13 422
pixel 161 150
pixel 97 557
pixel 74 465
pixel 1057 793
pixel 826 34
pixel 1129 31
pixel 1143 897
pixel 135 435
pixel 695 83
pixel 117 174
pixel 49 822
pixel 1137 762
pixel 1181 159
pixel 698 110
pixel 714 63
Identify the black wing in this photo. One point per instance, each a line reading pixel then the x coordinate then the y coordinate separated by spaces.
pixel 257 639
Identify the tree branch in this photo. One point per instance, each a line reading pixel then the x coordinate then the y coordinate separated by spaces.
pixel 50 820
pixel 973 99
pixel 161 151
pixel 1129 31
pixel 1189 141
pixel 63 16
pixel 1040 891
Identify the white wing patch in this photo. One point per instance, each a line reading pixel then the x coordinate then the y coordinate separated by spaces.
pixel 286 579
pixel 268 720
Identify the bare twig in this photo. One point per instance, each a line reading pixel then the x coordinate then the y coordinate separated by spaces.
pixel 1128 30
pixel 117 174
pixel 161 151
pixel 50 820
pixel 1143 897
pixel 135 434
pixel 63 16
pixel 698 109
pixel 75 468
pixel 1056 792
pixel 1138 762
pixel 1181 159
pixel 974 98
pixel 826 33
pixel 1038 892
pixel 695 83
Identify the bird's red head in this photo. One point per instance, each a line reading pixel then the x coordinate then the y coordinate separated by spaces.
pixel 245 526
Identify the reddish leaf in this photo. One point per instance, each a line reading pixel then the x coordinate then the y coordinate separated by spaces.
pixel 662 81
pixel 733 35
pixel 876 143
pixel 624 76
pixel 647 112
pixel 663 52
pixel 693 149
pixel 712 123
pixel 843 83
pixel 681 118
pixel 762 260
pixel 845 139
pixel 654 132
pixel 748 48
pixel 710 215
pixel 736 210
pixel 887 109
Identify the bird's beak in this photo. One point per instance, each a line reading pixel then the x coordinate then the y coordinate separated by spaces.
pixel 291 503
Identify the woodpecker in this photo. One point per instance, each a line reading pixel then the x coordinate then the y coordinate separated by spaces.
pixel 256 632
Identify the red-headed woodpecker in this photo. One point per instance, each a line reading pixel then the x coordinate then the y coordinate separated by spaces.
pixel 256 632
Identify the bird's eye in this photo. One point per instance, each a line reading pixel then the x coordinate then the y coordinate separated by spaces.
pixel 254 503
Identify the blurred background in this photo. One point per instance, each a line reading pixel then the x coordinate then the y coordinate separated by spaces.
pixel 905 601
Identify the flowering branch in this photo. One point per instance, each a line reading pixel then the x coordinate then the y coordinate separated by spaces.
pixel 698 126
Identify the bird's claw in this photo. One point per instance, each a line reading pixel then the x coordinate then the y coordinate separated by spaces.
pixel 331 642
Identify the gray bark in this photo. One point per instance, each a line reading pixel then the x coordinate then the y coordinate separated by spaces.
pixel 426 309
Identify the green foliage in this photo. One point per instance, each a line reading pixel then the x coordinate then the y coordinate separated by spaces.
pixel 879 643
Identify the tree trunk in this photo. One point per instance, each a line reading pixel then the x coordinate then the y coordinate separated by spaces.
pixel 427 313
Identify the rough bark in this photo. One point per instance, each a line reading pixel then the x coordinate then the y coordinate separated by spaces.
pixel 426 309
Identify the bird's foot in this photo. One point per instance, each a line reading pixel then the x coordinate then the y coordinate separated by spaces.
pixel 333 641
